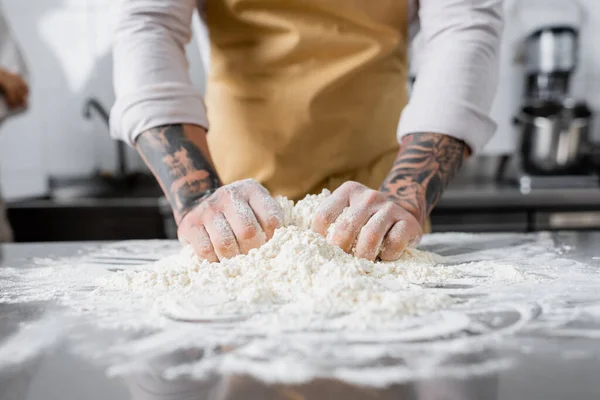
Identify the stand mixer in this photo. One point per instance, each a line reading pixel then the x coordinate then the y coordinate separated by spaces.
pixel 555 148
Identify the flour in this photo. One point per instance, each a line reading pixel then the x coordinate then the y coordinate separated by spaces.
pixel 301 214
pixel 297 274
pixel 298 308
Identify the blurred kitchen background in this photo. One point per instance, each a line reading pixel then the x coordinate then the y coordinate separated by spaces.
pixel 64 179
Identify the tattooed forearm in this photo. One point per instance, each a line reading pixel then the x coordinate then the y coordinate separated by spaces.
pixel 423 168
pixel 178 156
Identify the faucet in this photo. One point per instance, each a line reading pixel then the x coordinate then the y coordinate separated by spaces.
pixel 93 104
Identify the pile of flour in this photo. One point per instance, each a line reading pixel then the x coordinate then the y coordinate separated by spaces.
pixel 296 273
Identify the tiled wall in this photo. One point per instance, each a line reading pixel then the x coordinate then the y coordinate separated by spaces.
pixel 67 45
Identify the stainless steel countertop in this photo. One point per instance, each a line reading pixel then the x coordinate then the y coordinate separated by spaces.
pixel 58 373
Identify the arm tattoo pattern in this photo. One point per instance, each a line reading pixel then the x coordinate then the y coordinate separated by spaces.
pixel 185 174
pixel 425 165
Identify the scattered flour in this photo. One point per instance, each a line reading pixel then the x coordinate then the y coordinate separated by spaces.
pixel 298 308
pixel 296 273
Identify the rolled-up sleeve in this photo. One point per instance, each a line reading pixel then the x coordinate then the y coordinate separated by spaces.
pixel 151 77
pixel 457 75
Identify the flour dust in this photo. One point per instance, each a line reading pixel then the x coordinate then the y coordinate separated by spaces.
pixel 298 308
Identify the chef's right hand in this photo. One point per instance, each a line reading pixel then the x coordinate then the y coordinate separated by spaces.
pixel 233 220
pixel 15 89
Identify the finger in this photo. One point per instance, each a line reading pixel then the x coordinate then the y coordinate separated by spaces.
pixel 15 98
pixel 23 95
pixel 371 236
pixel 329 211
pixel 403 233
pixel 10 99
pixel 198 238
pixel 348 188
pixel 248 232
pixel 221 235
pixel 22 101
pixel 347 227
pixel 267 212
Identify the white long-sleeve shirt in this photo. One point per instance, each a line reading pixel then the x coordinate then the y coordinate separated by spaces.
pixel 453 94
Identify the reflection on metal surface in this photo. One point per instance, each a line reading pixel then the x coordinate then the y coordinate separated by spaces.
pixel 574 220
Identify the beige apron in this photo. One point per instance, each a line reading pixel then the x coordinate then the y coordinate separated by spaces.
pixel 306 94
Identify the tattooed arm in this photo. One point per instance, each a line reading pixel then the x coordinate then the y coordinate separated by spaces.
pixel 425 165
pixel 179 159
pixel 217 221
pixel 382 223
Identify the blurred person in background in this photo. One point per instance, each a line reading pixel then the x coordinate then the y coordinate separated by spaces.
pixel 301 96
pixel 14 93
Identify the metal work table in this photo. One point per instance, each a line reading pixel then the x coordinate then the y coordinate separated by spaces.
pixel 569 369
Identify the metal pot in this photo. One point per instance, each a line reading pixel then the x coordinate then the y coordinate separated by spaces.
pixel 555 138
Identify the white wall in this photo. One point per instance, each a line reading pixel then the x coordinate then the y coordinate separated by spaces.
pixel 67 45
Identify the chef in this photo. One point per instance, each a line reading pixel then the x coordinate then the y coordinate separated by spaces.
pixel 14 93
pixel 304 95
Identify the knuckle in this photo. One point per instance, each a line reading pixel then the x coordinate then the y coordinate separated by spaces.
pixel 391 242
pixel 350 186
pixel 231 192
pixel 249 181
pixel 214 199
pixel 321 217
pixel 371 240
pixel 395 239
pixel 255 184
pixel 389 209
pixel 411 227
pixel 371 198
pixel 245 184
pixel 399 227
pixel 248 231
pixel 225 243
pixel 204 252
pixel 207 215
pixel 274 221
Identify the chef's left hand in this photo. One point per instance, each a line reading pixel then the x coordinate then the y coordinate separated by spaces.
pixel 374 225
pixel 15 89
